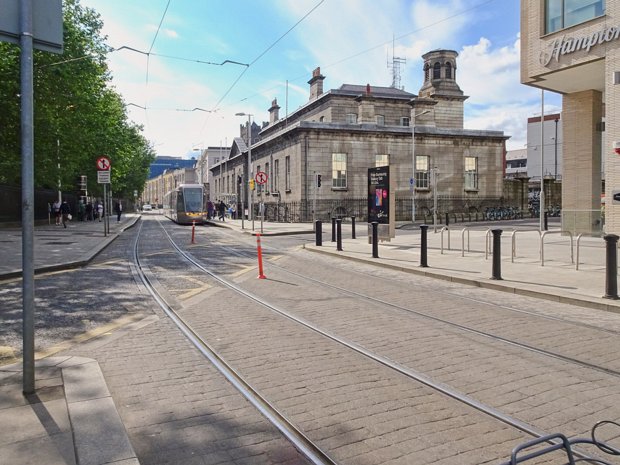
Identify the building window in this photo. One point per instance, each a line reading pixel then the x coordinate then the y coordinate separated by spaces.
pixel 437 71
pixel 448 71
pixel 422 171
pixel 276 180
pixel 321 119
pixel 427 72
pixel 268 178
pixel 339 170
pixel 259 187
pixel 382 160
pixel 380 120
pixel 351 118
pixel 287 173
pixel 560 14
pixel 404 121
pixel 471 173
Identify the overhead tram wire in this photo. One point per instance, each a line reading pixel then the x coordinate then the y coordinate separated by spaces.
pixel 148 57
pixel 265 52
pixel 402 36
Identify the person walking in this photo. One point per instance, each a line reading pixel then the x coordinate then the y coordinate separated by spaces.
pixel 56 211
pixel 118 209
pixel 99 211
pixel 65 211
pixel 221 209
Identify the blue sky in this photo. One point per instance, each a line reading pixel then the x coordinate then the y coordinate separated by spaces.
pixel 284 40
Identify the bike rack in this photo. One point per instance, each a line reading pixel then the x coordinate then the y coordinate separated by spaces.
pixel 463 231
pixel 513 237
pixel 542 245
pixel 578 239
pixel 444 228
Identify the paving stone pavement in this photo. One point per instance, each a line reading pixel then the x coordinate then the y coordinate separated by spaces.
pixel 55 425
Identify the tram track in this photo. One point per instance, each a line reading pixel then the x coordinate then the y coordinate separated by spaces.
pixel 408 372
pixel 495 337
pixel 292 433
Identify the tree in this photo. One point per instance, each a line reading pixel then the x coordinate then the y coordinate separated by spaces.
pixel 77 114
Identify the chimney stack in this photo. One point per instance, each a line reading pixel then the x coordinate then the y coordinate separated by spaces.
pixel 316 84
pixel 274 113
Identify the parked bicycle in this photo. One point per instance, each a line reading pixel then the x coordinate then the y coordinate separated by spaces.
pixel 559 443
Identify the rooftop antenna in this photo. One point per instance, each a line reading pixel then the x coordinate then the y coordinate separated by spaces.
pixel 395 67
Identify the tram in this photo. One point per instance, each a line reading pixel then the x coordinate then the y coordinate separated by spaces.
pixel 185 204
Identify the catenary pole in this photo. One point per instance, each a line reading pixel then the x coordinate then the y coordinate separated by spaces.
pixel 542 160
pixel 27 140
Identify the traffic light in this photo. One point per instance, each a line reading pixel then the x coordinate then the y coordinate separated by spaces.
pixel 318 180
pixel 81 182
pixel 252 184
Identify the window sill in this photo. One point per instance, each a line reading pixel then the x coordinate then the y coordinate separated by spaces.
pixel 422 189
pixel 339 189
pixel 473 191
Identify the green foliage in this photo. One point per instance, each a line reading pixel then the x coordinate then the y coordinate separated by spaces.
pixel 77 114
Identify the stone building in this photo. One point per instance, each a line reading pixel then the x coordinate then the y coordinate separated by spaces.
pixel 339 134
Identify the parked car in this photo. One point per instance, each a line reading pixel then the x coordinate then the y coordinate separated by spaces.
pixel 146 207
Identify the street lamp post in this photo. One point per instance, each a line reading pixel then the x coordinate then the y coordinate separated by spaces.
pixel 434 177
pixel 247 184
pixel 413 183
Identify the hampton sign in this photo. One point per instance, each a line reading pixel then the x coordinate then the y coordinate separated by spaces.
pixel 567 45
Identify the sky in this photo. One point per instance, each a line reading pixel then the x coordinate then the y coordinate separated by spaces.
pixel 186 99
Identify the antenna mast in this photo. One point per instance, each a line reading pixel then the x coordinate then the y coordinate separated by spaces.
pixel 395 67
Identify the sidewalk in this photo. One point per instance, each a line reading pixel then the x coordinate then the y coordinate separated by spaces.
pixel 458 255
pixel 72 418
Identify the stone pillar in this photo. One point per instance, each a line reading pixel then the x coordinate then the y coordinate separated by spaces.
pixel 581 176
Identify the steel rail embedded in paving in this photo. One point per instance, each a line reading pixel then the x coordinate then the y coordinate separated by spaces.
pixel 294 435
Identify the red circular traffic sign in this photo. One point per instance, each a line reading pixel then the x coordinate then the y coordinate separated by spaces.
pixel 261 177
pixel 103 164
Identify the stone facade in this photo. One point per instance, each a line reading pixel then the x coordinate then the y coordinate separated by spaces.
pixel 358 124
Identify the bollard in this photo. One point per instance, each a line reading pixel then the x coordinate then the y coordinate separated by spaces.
pixel 497 254
pixel 611 267
pixel 447 220
pixel 260 258
pixel 545 223
pixel 375 239
pixel 339 235
pixel 318 232
pixel 334 229
pixel 352 227
pixel 423 246
pixel 193 231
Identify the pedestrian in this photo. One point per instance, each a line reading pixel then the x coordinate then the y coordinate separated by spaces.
pixel 210 210
pixel 99 211
pixel 81 210
pixel 89 211
pixel 118 209
pixel 56 210
pixel 65 211
pixel 233 212
pixel 221 209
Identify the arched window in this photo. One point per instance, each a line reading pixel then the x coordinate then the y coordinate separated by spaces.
pixel 448 71
pixel 426 72
pixel 437 71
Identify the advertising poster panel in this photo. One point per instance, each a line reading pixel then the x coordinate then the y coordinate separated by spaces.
pixel 381 202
